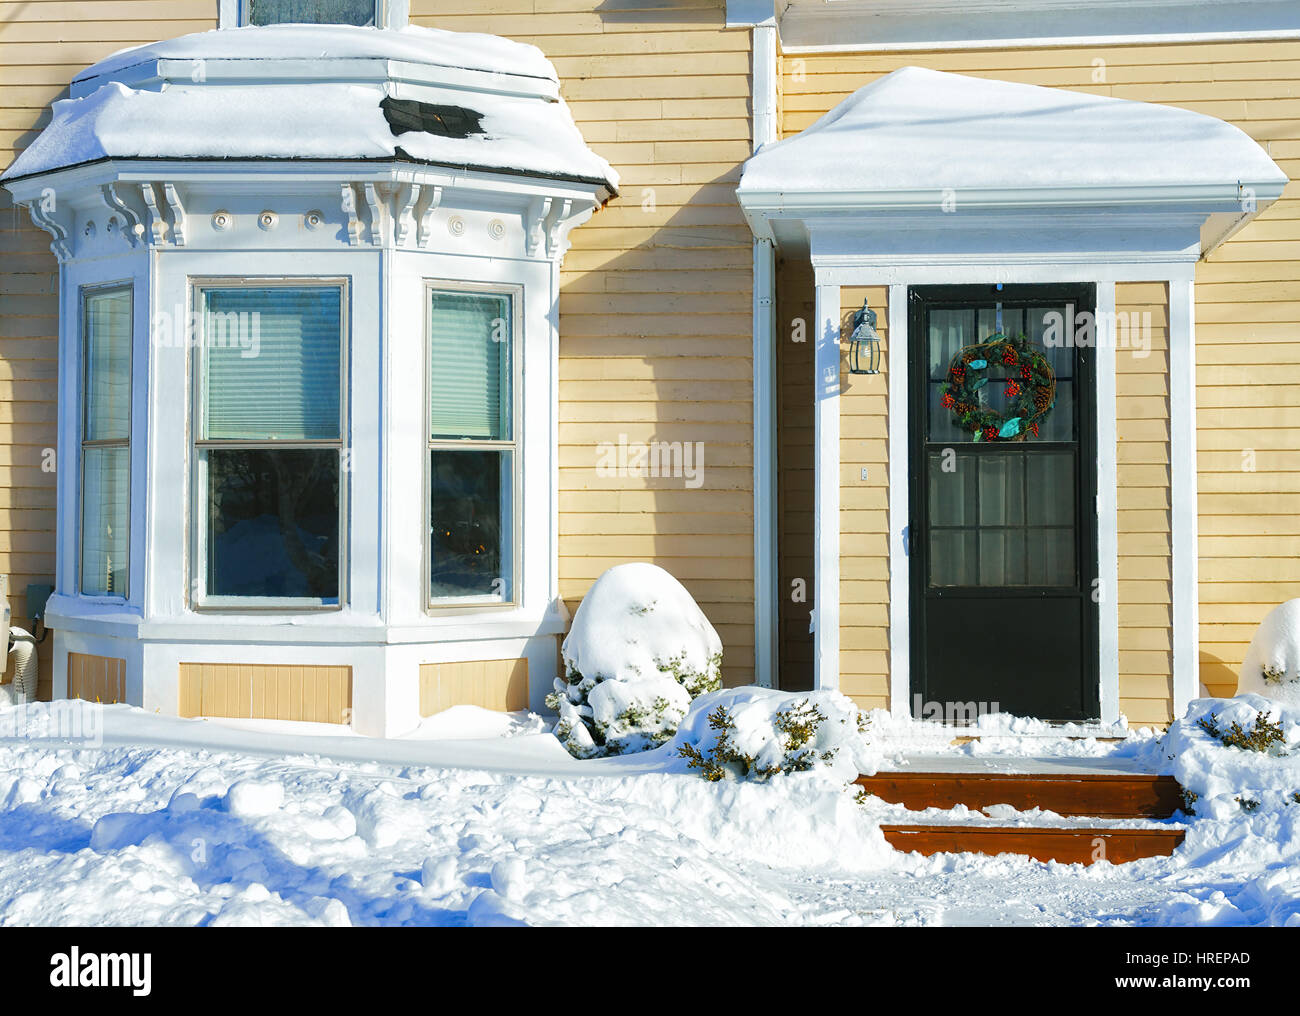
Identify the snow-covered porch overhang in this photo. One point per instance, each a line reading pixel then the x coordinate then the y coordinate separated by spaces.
pixel 925 177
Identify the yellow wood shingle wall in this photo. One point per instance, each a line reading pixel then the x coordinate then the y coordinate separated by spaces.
pixel 318 694
pixel 864 509
pixel 655 340
pixel 655 301
pixel 1248 355
pixel 1142 508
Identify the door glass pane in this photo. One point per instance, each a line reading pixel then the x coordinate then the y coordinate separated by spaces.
pixel 470 522
pixel 1051 557
pixel 952 557
pixel 273 523
pixel 273 362
pixel 1049 488
pixel 1002 557
pixel 953 494
pixel 949 331
pixel 1001 489
pixel 469 364
pixel 105 520
pixel 107 365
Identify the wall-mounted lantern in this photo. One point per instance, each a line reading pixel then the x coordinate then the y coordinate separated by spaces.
pixel 864 343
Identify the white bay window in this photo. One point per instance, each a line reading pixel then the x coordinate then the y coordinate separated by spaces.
pixel 105 441
pixel 472 446
pixel 269 447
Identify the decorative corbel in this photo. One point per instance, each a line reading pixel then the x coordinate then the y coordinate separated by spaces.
pixel 43 211
pixel 157 224
pixel 559 212
pixel 177 211
pixel 132 227
pixel 376 214
pixel 535 226
pixel 426 217
pixel 350 214
pixel 406 217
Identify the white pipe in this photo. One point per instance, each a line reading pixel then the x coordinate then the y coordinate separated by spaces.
pixel 22 647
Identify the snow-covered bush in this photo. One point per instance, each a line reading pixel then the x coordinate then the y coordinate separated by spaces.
pixel 639 651
pixel 1272 664
pixel 755 733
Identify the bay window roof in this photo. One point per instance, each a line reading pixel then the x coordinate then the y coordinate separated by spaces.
pixel 322 92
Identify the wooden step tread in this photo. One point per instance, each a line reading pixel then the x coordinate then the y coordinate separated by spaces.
pixel 1068 845
pixel 1095 795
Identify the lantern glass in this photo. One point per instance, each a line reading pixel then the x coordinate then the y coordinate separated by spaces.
pixel 864 343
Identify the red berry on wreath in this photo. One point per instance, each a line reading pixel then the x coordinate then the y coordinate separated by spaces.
pixel 1013 389
pixel 1033 429
pixel 1026 373
pixel 947 401
pixel 958 374
pixel 990 433
pixel 1009 356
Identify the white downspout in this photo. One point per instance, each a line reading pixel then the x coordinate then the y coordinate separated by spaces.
pixel 764 88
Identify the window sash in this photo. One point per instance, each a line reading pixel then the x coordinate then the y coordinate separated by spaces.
pixel 360 13
pixel 104 523
pixel 487 426
pixel 313 435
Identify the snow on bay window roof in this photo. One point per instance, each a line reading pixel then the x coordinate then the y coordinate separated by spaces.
pixel 918 130
pixel 322 92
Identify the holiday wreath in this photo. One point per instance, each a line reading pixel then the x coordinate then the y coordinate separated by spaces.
pixel 1030 388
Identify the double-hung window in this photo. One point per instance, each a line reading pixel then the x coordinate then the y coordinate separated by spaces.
pixel 105 441
pixel 269 453
pixel 472 445
pixel 310 12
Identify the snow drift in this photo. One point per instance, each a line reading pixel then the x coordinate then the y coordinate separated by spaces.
pixel 639 651
pixel 1272 664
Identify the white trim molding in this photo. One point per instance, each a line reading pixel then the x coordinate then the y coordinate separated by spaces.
pixel 826 470
pixel 900 567
pixel 820 26
pixel 1182 493
pixel 1107 578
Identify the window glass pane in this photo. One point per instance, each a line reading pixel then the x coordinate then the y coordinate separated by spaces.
pixel 469 364
pixel 105 520
pixel 1050 488
pixel 1002 557
pixel 470 524
pixel 273 523
pixel 273 362
pixel 311 12
pixel 108 366
pixel 1051 557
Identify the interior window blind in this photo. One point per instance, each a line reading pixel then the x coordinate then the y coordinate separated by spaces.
pixel 108 366
pixel 469 365
pixel 272 363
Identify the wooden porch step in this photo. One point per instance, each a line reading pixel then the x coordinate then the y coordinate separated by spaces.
pixel 1046 843
pixel 1094 795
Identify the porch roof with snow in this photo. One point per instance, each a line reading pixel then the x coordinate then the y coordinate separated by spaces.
pixel 321 92
pixel 916 137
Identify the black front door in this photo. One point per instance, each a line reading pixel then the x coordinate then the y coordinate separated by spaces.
pixel 1002 536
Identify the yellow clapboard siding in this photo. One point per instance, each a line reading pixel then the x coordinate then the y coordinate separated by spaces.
pixel 501 685
pixel 96 678
pixel 314 693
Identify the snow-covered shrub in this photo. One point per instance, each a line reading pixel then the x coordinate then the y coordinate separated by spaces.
pixel 756 733
pixel 639 651
pixel 1272 664
pixel 1261 735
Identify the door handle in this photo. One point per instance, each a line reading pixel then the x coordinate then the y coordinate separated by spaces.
pixel 907 541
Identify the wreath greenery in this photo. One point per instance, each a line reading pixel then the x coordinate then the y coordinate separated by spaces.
pixel 1030 387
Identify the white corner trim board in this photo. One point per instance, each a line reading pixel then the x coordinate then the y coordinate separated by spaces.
pixel 1182 494
pixel 1107 506
pixel 900 572
pixel 826 512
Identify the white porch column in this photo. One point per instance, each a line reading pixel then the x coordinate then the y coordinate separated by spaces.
pixel 1182 475
pixel 826 514
pixel 900 591
pixel 1107 577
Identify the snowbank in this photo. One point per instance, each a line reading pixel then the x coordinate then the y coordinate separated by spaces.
pixel 769 732
pixel 639 650
pixel 1272 664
